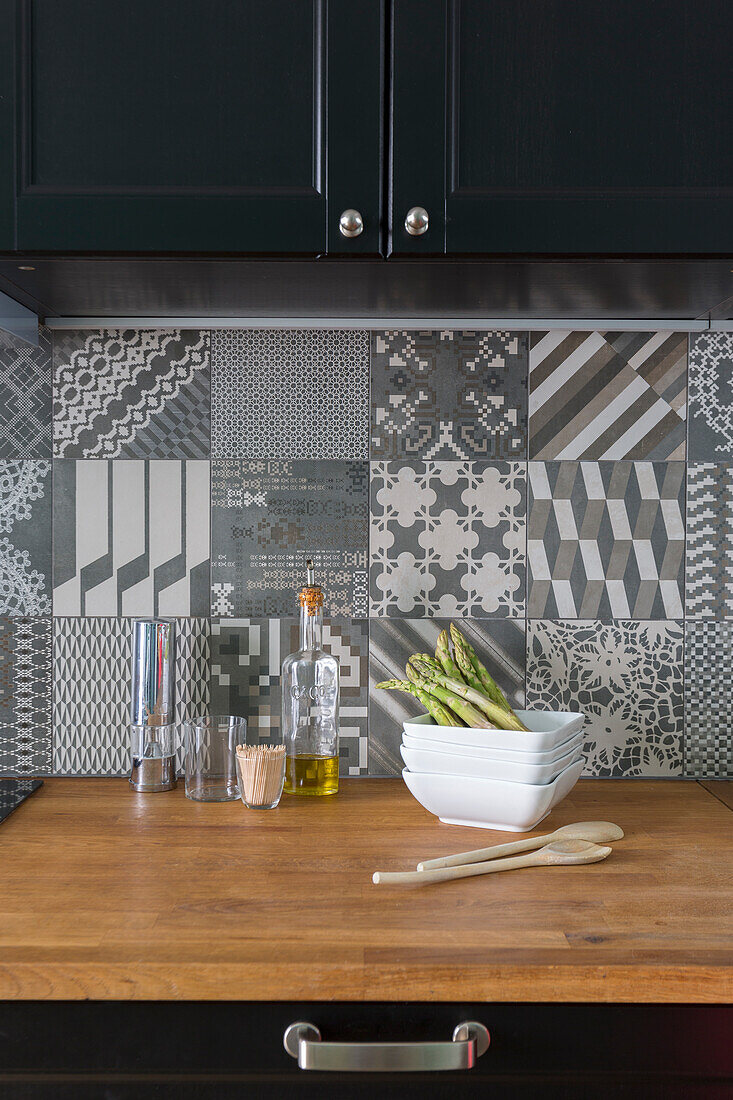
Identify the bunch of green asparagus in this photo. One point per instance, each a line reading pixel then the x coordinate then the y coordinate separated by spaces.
pixel 455 687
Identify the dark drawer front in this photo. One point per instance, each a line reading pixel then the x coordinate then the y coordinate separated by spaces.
pixel 115 1051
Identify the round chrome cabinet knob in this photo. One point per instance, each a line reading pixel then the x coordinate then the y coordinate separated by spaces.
pixel 351 223
pixel 416 222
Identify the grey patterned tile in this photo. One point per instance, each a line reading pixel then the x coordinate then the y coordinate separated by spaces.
pixel 25 538
pixel 25 696
pixel 607 395
pixel 606 539
pixel 448 538
pixel 268 518
pixel 708 699
pixel 709 571
pixel 626 677
pixel 25 397
pixel 500 643
pixel 247 656
pixel 449 395
pixel 711 396
pixel 132 393
pixel 131 538
pixel 91 692
pixel 290 394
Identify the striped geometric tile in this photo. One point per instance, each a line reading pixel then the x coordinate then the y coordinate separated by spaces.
pixel 708 699
pixel 626 678
pixel 246 658
pixel 498 642
pixel 606 539
pixel 131 538
pixel 25 696
pixel 92 690
pixel 607 395
pixel 709 569
pixel 132 393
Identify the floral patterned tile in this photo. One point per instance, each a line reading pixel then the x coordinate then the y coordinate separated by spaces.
pixel 25 538
pixel 626 677
pixel 448 538
pixel 449 395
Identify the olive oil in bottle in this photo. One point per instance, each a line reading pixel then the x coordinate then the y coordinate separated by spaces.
pixel 306 774
pixel 310 703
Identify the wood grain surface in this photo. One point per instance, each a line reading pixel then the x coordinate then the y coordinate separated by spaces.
pixel 110 895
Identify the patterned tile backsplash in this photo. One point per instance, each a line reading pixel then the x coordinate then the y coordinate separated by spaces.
pixel 549 491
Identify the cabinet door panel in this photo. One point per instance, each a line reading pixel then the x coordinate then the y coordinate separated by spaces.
pixel 578 127
pixel 180 125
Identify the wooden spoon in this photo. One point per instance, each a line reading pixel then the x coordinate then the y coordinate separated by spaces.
pixel 600 832
pixel 558 853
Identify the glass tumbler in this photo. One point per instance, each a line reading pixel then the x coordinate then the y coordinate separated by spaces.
pixel 211 757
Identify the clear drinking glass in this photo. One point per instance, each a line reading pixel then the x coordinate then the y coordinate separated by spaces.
pixel 211 757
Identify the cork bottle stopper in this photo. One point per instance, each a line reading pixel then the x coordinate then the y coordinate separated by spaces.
pixel 311 597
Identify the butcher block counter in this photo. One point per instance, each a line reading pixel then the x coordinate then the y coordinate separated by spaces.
pixel 114 896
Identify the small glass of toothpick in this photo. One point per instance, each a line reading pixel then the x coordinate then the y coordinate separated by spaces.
pixel 261 772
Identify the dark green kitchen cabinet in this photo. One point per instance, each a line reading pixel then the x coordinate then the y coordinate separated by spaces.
pixel 563 126
pixel 190 126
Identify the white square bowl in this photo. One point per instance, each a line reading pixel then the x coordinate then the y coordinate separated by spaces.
pixel 547 729
pixel 490 803
pixel 505 755
pixel 441 763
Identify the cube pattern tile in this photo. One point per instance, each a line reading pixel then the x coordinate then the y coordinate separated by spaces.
pixel 500 644
pixel 626 678
pixel 268 518
pixel 606 539
pixel 247 655
pixel 25 397
pixel 607 395
pixel 25 696
pixel 709 570
pixel 131 394
pixel 708 699
pixel 448 538
pixel 25 538
pixel 711 396
pixel 449 395
pixel 290 394
pixel 91 690
pixel 131 537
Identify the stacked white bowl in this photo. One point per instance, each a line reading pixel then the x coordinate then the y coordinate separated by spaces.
pixel 493 779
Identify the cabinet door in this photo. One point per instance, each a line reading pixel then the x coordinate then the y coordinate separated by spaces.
pixel 191 126
pixel 564 126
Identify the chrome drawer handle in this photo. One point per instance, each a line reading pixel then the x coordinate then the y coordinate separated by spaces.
pixel 303 1041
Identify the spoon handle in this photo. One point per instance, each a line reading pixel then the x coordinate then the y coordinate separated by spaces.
pixel 466 870
pixel 480 854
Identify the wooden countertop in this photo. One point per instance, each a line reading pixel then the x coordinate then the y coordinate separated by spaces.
pixel 109 895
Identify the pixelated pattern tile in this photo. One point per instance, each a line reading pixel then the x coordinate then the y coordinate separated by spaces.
pixel 711 396
pixel 449 395
pixel 708 699
pixel 709 569
pixel 268 518
pixel 247 656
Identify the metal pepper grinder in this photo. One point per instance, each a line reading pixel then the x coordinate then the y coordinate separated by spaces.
pixel 153 705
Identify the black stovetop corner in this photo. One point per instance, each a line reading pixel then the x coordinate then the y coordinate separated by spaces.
pixel 15 791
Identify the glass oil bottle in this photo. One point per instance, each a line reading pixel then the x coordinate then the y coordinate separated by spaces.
pixel 310 703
